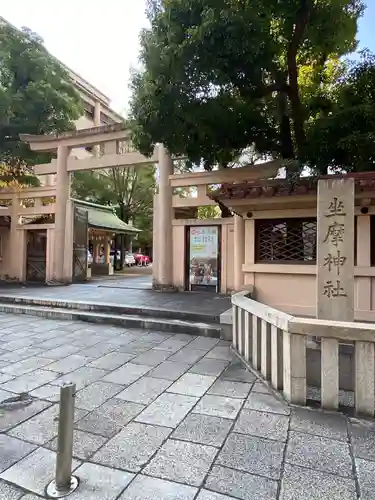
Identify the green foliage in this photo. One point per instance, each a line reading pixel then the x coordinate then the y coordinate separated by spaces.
pixel 209 212
pixel 219 76
pixel 130 190
pixel 36 97
pixel 344 138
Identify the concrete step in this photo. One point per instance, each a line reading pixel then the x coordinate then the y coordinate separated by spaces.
pixel 110 308
pixel 124 320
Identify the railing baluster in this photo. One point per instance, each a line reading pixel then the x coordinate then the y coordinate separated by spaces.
pixel 240 326
pixel 330 373
pixel 276 358
pixel 234 327
pixel 364 378
pixel 294 376
pixel 248 322
pixel 256 342
pixel 266 350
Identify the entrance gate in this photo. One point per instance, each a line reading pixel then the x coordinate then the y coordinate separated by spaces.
pixel 80 238
pixel 203 258
pixel 36 255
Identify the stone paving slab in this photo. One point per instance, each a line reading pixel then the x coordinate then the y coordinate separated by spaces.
pixel 12 450
pixel 149 488
pixel 298 480
pixel 94 395
pixel 109 418
pixel 209 367
pixel 251 454
pixel 192 384
pixel 182 422
pixel 183 462
pixel 241 485
pixel 316 452
pixel 203 429
pixel 218 406
pixel 169 370
pixel 144 390
pixel 261 424
pixel 100 482
pixel 132 447
pixel 34 471
pixel 10 419
pixel 85 444
pixel 167 410
pixel 10 492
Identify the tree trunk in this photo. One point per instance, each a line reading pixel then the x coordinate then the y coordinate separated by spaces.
pixel 297 114
pixel 294 228
pixel 287 149
pixel 302 20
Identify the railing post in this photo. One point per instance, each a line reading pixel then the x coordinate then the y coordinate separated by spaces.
pixel 364 378
pixel 276 358
pixel 64 483
pixel 330 373
pixel 294 359
pixel 265 362
pixel 241 332
pixel 256 342
pixel 234 327
pixel 248 336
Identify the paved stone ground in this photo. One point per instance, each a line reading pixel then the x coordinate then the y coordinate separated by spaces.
pixel 127 291
pixel 166 417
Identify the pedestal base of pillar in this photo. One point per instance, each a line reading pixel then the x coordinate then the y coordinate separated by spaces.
pixel 161 287
pixel 58 283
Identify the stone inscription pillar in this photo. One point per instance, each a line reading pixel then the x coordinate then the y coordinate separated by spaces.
pixel 335 250
pixel 335 273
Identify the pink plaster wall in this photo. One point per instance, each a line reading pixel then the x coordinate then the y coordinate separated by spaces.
pixel 292 288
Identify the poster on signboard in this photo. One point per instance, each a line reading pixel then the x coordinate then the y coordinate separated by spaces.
pixel 203 257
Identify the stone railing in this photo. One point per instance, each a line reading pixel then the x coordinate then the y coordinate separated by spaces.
pixel 275 344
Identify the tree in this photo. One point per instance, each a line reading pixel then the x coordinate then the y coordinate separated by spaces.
pixel 130 190
pixel 344 137
pixel 36 97
pixel 222 75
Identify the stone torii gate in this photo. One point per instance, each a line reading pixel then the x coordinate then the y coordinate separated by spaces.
pixel 110 136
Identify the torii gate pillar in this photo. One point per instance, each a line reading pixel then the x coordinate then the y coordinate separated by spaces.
pixel 62 200
pixel 163 276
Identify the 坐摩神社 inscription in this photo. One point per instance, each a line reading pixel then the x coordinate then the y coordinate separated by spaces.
pixel 335 249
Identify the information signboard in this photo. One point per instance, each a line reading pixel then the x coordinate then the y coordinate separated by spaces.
pixel 203 257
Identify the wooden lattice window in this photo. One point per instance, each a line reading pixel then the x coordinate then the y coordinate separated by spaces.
pixel 286 240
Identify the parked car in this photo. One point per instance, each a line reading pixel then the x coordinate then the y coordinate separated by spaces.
pixel 142 260
pixel 129 259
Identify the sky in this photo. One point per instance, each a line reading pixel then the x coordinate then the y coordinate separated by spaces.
pixel 102 44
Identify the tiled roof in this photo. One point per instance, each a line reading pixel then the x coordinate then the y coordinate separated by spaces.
pixel 364 182
pixel 100 216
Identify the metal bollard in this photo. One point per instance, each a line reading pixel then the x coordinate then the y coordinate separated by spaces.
pixel 64 483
